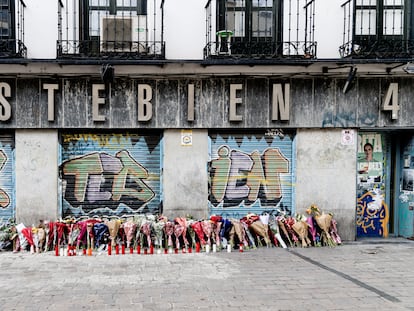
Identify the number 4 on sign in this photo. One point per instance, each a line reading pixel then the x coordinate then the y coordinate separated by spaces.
pixel 391 101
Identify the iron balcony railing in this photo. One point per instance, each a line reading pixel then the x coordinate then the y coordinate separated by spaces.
pixel 372 30
pixel 111 29
pixel 232 49
pixel 12 46
pixel 110 49
pixel 260 29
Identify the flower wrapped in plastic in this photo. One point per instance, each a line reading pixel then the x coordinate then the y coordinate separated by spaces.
pixel 225 231
pixel 191 231
pixel 41 235
pixel 197 226
pixel 207 230
pixel 139 237
pixel 301 228
pixel 313 231
pixel 281 219
pixel 158 227
pixel 113 227
pixel 259 228
pixel 129 228
pixel 334 232
pixel 289 222
pixel 183 222
pixel 216 223
pixel 238 230
pixel 100 232
pixel 324 221
pixel 178 231
pixel 247 233
pixel 169 231
pixel 146 229
pixel 274 227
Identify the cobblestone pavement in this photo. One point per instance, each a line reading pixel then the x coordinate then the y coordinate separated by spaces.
pixel 359 275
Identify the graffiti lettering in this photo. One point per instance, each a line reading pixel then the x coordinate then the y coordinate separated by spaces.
pixel 102 179
pixel 238 176
pixel 4 197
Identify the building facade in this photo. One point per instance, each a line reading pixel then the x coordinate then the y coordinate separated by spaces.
pixel 196 107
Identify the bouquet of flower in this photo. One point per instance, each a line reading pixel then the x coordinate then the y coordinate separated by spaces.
pixel 158 227
pixel 113 227
pixel 225 230
pixel 197 226
pixel 207 230
pixel 246 231
pixel 281 224
pixel 146 228
pixel 216 227
pixel 41 235
pixel 237 229
pixel 191 231
pixel 324 222
pixel 129 228
pixel 312 230
pixel 169 231
pixel 274 227
pixel 100 232
pixel 178 231
pixel 334 232
pixel 183 222
pixel 139 220
pixel 301 228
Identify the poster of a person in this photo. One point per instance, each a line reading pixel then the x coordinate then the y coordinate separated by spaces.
pixel 368 162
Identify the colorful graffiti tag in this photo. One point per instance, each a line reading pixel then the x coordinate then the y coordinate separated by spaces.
pixel 4 197
pixel 7 194
pixel 254 175
pixel 372 215
pixel 372 211
pixel 110 175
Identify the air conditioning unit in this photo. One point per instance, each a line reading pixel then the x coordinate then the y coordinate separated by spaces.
pixel 124 34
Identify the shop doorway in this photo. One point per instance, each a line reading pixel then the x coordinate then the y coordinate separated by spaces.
pixel 385 184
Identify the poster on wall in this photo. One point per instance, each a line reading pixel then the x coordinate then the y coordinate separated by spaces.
pixel 372 211
pixel 408 180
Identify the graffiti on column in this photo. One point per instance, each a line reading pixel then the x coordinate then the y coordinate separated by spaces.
pixel 372 214
pixel 251 178
pixel 111 177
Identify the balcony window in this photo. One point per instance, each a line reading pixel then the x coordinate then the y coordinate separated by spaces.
pixel 11 36
pixel 377 29
pixel 112 29
pixel 260 28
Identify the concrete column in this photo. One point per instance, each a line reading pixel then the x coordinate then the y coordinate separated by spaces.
pixel 36 176
pixel 326 176
pixel 185 176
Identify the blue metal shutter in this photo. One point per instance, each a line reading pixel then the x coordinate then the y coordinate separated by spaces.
pixel 110 173
pixel 251 172
pixel 7 185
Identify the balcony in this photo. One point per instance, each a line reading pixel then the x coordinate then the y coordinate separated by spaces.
pixel 111 32
pixel 12 46
pixel 256 29
pixel 376 30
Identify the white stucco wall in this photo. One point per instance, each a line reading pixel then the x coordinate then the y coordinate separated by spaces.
pixel 185 175
pixel 36 176
pixel 326 176
pixel 41 28
pixel 185 29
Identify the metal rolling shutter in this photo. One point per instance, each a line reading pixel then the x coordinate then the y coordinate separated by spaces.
pixel 7 185
pixel 251 172
pixel 110 173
